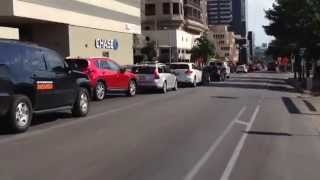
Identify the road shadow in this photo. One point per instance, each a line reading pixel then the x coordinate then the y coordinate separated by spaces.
pixel 261 78
pixel 258 81
pixel 310 106
pixel 224 97
pixel 292 108
pixel 37 121
pixel 279 134
pixel 290 105
pixel 253 86
pixel 268 133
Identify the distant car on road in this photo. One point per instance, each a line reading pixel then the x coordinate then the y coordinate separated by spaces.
pixel 242 69
pixel 187 73
pixel 106 76
pixel 36 80
pixel 272 66
pixel 155 75
pixel 223 66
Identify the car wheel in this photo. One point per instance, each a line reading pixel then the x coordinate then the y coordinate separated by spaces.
pixel 81 106
pixel 132 90
pixel 176 87
pixel 100 91
pixel 164 88
pixel 194 83
pixel 20 114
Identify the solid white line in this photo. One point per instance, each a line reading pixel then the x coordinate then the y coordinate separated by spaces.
pixel 242 122
pixel 228 170
pixel 194 171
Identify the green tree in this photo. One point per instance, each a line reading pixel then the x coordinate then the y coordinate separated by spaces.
pixel 295 24
pixel 203 49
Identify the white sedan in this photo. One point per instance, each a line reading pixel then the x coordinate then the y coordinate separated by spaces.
pixel 242 69
pixel 187 73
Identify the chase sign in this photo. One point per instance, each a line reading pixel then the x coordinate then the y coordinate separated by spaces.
pixel 107 44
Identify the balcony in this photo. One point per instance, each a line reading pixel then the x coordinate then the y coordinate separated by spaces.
pixel 192 3
pixel 194 24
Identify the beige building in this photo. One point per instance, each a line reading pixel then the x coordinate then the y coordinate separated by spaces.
pixel 76 27
pixel 173 25
pixel 224 42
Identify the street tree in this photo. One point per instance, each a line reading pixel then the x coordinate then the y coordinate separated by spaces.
pixel 295 24
pixel 204 49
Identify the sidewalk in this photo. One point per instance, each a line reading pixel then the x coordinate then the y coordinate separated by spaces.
pixel 302 87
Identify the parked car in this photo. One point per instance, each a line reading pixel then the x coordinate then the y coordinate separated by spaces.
pixel 155 75
pixel 106 76
pixel 272 66
pixel 217 71
pixel 223 66
pixel 242 69
pixel 252 68
pixel 187 73
pixel 36 80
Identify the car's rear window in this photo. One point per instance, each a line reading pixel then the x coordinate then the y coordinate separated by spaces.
pixel 143 70
pixel 77 64
pixel 179 66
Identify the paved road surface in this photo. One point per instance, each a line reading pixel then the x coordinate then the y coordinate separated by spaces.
pixel 252 127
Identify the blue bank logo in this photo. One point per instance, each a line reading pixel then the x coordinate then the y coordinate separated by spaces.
pixel 115 44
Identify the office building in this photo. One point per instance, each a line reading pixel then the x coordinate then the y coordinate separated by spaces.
pixel 219 12
pixel 252 47
pixel 224 42
pixel 76 27
pixel 240 17
pixel 173 25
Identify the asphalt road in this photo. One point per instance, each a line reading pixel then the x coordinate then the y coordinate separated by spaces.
pixel 252 127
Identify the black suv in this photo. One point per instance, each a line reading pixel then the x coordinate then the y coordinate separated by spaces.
pixel 36 80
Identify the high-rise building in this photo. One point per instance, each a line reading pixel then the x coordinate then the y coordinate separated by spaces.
pixel 219 12
pixel 240 17
pixel 173 25
pixel 251 41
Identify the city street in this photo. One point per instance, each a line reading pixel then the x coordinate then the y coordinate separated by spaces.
pixel 251 127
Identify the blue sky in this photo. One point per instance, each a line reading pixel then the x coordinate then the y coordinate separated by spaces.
pixel 257 19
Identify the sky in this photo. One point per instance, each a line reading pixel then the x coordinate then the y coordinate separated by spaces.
pixel 257 19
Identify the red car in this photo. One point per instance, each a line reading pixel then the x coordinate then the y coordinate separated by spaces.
pixel 106 76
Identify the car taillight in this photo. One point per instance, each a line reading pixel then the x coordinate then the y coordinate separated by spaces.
pixel 189 72
pixel 156 75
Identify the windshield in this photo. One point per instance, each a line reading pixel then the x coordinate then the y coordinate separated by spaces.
pixel 77 64
pixel 179 66
pixel 143 70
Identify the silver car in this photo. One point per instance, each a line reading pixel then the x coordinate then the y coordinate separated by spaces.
pixel 155 75
pixel 187 73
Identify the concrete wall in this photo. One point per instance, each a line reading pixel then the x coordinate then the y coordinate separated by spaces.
pixel 82 43
pixel 9 33
pixel 6 7
pixel 174 38
pixel 114 15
